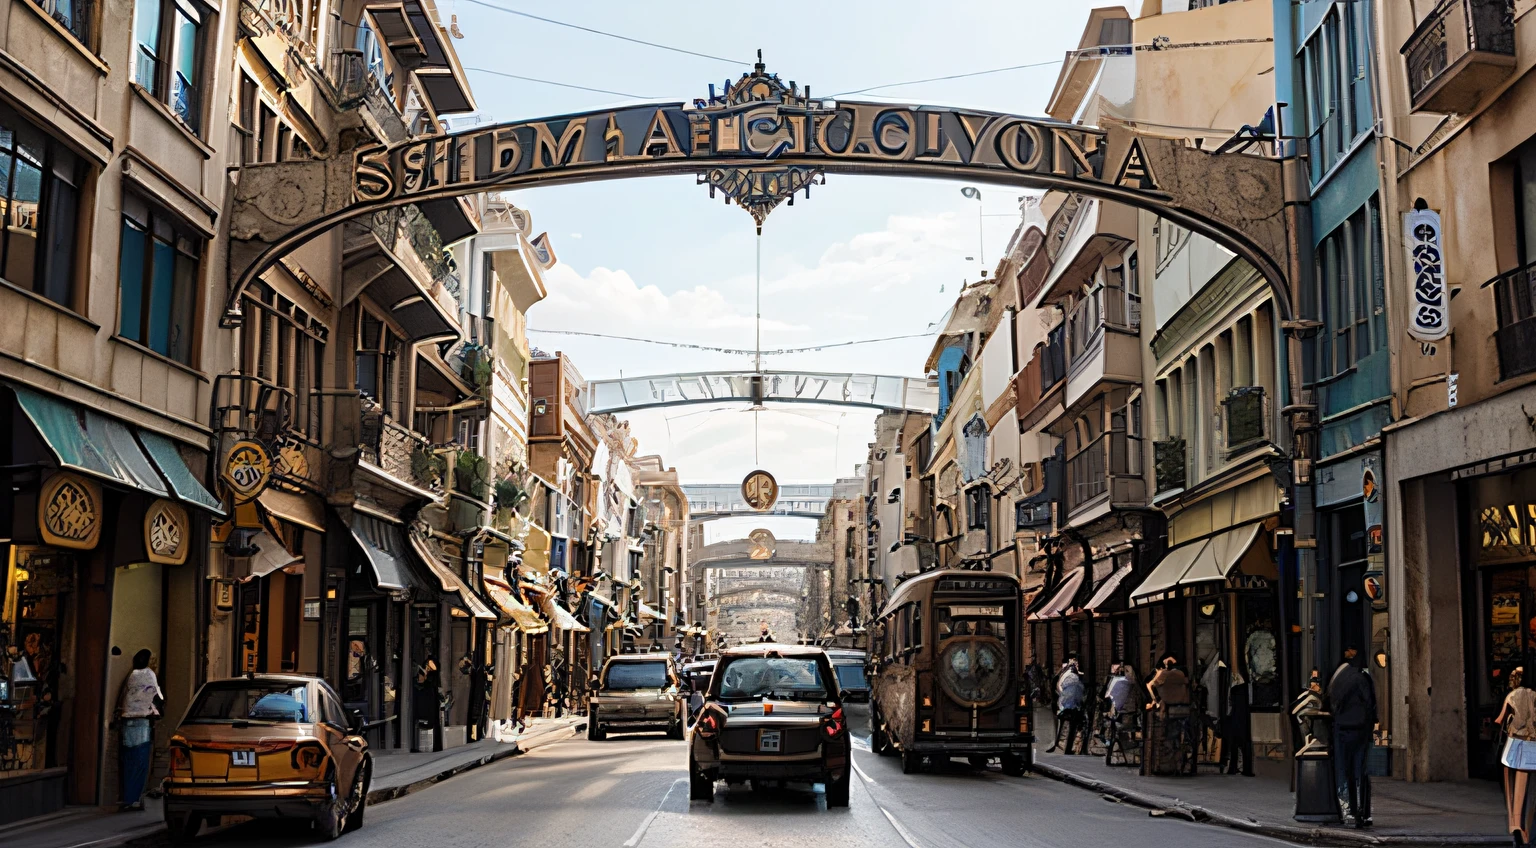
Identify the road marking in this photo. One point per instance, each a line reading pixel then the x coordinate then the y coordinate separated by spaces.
pixel 906 835
pixel 640 833
pixel 861 772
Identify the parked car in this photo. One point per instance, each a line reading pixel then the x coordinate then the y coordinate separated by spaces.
pixel 636 692
pixel 772 714
pixel 268 746
pixel 848 665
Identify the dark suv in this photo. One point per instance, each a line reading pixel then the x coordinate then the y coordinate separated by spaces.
pixel 636 692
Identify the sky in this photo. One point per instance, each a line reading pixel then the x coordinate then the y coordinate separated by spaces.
pixel 862 258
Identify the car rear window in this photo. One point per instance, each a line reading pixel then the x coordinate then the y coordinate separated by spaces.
pixel 250 700
pixel 778 677
pixel 636 675
pixel 850 677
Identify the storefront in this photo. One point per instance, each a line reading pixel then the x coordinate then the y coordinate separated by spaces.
pixel 98 565
pixel 1213 602
pixel 1500 588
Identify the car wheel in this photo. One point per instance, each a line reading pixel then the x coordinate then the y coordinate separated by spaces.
pixel 700 787
pixel 331 821
pixel 183 827
pixel 1013 765
pixel 911 761
pixel 360 795
pixel 592 725
pixel 837 790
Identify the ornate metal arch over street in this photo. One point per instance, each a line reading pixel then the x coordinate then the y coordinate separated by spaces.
pixel 758 142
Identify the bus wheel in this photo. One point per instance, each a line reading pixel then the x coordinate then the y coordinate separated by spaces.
pixel 911 761
pixel 1013 765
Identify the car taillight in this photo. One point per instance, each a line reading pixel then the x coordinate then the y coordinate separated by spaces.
pixel 181 758
pixel 833 725
pixel 308 756
pixel 708 726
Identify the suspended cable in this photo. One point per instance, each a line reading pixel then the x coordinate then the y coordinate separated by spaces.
pixel 734 350
pixel 607 34
pixel 949 77
pixel 561 84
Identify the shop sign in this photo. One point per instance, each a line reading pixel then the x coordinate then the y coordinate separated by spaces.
pixel 1430 314
pixel 246 470
pixel 69 511
pixel 760 490
pixel 1376 588
pixel 763 544
pixel 1370 493
pixel 1240 582
pixel 167 533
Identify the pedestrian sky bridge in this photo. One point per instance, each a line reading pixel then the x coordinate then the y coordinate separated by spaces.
pixel 710 501
pixel 870 391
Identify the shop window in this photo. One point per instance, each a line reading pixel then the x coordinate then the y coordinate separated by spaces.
pixel 159 266
pixel 39 205
pixel 168 47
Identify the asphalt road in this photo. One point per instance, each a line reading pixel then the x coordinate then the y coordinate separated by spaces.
pixel 632 792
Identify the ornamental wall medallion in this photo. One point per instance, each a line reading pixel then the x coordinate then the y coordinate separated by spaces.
pixel 246 469
pixel 167 533
pixel 69 511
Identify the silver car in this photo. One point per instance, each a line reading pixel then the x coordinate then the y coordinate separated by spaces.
pixel 772 714
pixel 636 692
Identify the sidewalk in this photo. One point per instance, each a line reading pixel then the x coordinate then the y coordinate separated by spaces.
pixel 395 775
pixel 1443 814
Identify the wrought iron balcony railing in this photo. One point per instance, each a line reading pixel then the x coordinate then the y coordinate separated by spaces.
pixel 399 452
pixel 1169 464
pixel 1514 297
pixel 1245 418
pixel 1458 52
pixel 1112 454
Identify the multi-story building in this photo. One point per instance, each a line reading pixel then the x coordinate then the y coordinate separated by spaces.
pixel 1447 615
pixel 663 518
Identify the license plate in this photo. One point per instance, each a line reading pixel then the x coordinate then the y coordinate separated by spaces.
pixel 242 758
pixel 768 742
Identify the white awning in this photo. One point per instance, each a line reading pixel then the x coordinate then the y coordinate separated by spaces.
pixel 648 613
pixel 560 617
pixel 451 583
pixel 270 556
pixel 1061 601
pixel 1166 576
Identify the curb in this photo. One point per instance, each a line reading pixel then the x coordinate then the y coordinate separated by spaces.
pixel 379 796
pixel 1290 833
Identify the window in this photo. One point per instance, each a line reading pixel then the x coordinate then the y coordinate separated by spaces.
pixel 158 274
pixel 1338 99
pixel 379 359
pixel 168 38
pixel 977 508
pixel 373 55
pixel 286 346
pixel 39 205
pixel 73 15
pixel 1349 292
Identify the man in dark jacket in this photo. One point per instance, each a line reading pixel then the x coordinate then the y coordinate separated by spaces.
pixel 1352 703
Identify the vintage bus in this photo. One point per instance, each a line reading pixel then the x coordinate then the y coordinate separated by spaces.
pixel 946 672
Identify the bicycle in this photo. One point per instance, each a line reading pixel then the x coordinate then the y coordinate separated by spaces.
pixel 1179 743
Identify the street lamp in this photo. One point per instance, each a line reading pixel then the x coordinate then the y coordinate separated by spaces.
pixel 975 194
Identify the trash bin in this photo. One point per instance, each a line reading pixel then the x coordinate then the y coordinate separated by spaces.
pixel 1317 797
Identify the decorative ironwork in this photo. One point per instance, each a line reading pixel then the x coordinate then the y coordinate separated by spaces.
pixel 761 190
pixel 1246 417
pixel 1169 464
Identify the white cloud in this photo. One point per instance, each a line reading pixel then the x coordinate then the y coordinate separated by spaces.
pixel 575 235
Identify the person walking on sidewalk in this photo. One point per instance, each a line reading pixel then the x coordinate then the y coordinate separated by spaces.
pixel 1237 732
pixel 1170 693
pixel 1352 703
pixel 1518 718
pixel 1069 707
pixel 138 704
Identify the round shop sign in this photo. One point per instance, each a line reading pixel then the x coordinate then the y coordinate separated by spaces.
pixel 760 490
pixel 246 470
pixel 166 532
pixel 763 543
pixel 1374 588
pixel 69 511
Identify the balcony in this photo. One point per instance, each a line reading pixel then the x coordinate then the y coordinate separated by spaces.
pixel 1103 342
pixel 1245 418
pixel 1169 464
pixel 1514 297
pixel 1038 384
pixel 1109 466
pixel 1459 52
pixel 253 407
pixel 399 452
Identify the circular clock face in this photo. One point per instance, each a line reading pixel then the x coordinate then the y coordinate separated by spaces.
pixel 974 671
pixel 760 490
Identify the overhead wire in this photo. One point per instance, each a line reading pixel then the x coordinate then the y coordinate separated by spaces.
pixel 607 34
pixel 734 350
pixel 561 84
pixel 948 77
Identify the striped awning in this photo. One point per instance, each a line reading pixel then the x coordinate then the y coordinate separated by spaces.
pixel 1061 601
pixel 518 612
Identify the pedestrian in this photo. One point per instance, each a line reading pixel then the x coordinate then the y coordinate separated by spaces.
pixel 1169 689
pixel 1352 703
pixel 1518 718
pixel 138 704
pixel 1119 692
pixel 1237 728
pixel 428 704
pixel 1069 707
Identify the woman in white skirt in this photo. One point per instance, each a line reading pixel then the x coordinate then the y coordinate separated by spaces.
pixel 1518 717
